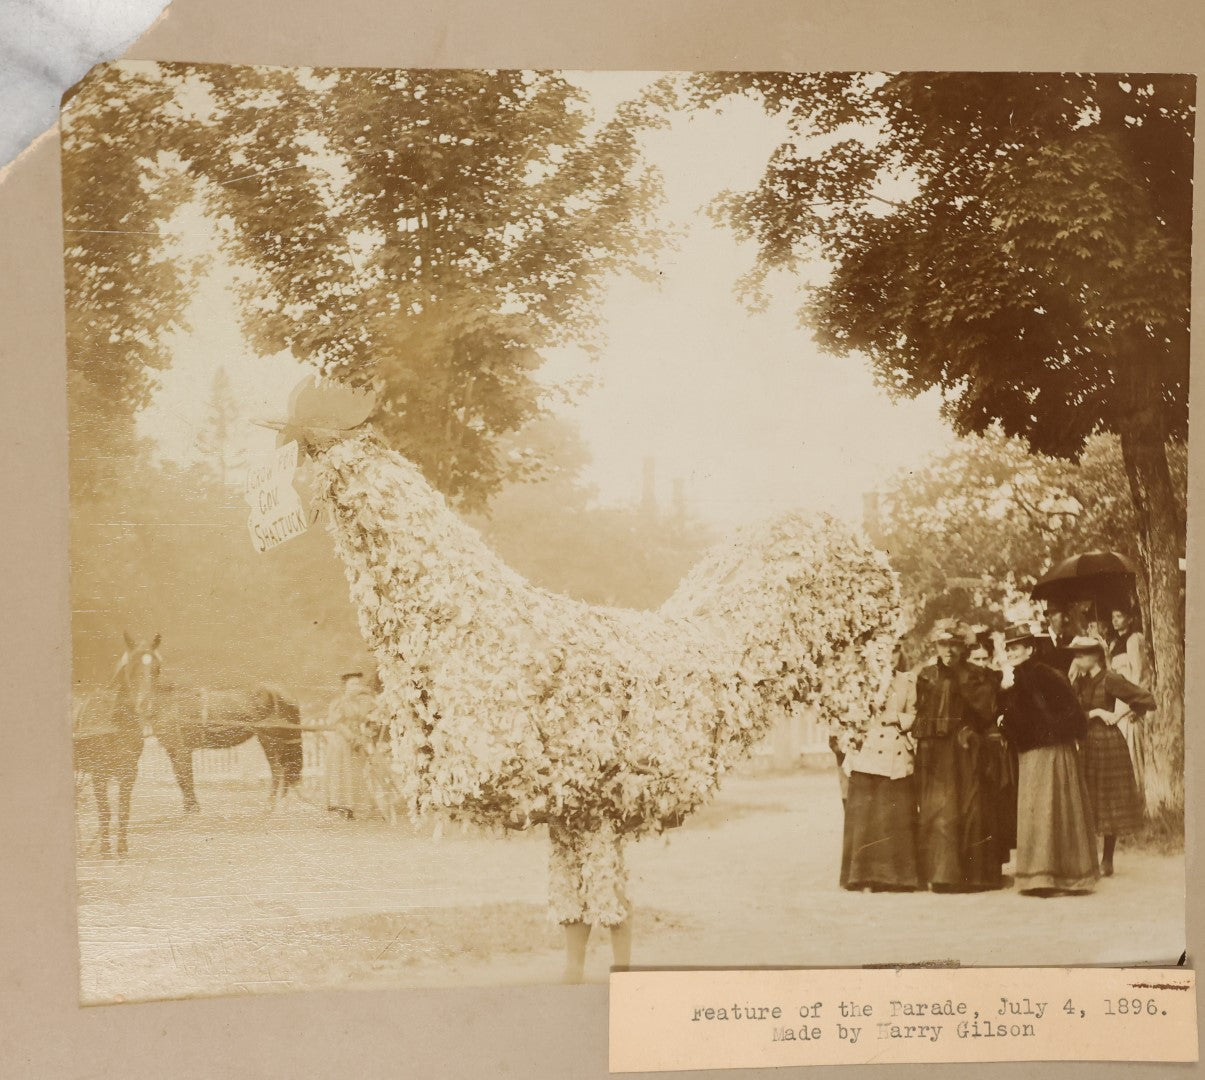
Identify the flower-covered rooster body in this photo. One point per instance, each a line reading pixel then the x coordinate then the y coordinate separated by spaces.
pixel 512 706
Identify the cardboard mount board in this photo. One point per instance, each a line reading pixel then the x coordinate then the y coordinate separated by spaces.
pixel 533 1032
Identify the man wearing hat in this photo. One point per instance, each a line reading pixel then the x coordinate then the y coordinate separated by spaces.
pixel 955 710
pixel 1053 646
pixel 345 759
pixel 1056 846
pixel 1107 696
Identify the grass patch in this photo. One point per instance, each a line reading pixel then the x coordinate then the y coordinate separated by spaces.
pixel 1162 834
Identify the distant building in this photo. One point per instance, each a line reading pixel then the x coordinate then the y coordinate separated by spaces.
pixel 678 504
pixel 648 493
pixel 871 523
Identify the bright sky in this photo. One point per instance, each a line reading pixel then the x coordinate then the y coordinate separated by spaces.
pixel 743 407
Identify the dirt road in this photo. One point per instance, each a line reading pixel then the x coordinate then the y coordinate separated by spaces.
pixel 237 900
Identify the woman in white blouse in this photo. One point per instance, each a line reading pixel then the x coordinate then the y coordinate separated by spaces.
pixel 1129 657
pixel 879 848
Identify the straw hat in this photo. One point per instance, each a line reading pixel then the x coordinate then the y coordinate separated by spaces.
pixel 1019 634
pixel 1081 643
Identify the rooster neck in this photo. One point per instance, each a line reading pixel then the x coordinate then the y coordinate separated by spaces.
pixel 413 566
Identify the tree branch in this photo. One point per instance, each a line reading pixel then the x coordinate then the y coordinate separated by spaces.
pixel 1032 512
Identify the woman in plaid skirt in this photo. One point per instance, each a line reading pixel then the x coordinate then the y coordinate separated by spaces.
pixel 1116 804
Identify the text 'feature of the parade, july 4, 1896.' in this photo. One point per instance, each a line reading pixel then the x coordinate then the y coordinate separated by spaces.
pixel 670 1020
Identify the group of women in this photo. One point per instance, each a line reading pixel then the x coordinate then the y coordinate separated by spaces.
pixel 973 758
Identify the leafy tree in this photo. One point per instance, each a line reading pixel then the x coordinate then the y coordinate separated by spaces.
pixel 126 281
pixel 427 231
pixel 987 517
pixel 430 232
pixel 1020 242
pixel 973 522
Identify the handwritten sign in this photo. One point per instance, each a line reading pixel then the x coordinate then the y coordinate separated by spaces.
pixel 671 1020
pixel 276 511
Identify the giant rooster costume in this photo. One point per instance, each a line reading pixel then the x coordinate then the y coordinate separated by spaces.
pixel 512 706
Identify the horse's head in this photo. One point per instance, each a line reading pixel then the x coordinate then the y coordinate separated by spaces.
pixel 138 675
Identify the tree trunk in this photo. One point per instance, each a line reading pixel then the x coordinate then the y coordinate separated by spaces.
pixel 1161 542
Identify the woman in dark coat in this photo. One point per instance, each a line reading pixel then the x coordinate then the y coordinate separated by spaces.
pixel 1116 804
pixel 1056 841
pixel 999 757
pixel 955 711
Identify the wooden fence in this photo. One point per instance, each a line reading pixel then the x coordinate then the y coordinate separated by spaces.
pixel 243 762
pixel 796 737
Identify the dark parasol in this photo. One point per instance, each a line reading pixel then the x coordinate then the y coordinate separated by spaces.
pixel 1094 575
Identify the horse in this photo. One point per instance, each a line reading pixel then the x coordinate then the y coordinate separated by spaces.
pixel 108 730
pixel 185 719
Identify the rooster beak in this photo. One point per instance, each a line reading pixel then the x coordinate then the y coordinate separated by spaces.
pixel 310 438
pixel 286 433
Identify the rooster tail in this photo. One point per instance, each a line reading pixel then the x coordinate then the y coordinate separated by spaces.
pixel 810 609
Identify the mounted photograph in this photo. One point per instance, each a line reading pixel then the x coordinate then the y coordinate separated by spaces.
pixel 525 524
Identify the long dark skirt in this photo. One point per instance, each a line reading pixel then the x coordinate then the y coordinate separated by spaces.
pixel 999 772
pixel 1056 843
pixel 958 845
pixel 1112 791
pixel 879 849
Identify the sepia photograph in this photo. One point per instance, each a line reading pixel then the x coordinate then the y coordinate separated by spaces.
pixel 528 523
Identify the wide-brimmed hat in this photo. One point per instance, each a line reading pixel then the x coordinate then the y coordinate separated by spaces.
pixel 1081 643
pixel 351 675
pixel 1019 634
